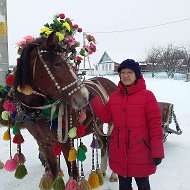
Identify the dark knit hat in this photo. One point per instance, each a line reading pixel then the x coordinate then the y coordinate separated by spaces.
pixel 130 64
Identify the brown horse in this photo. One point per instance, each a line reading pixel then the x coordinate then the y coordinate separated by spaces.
pixel 43 75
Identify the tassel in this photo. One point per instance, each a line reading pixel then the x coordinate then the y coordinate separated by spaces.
pixel 6 136
pixel 83 147
pixel 57 149
pixel 94 143
pixel 5 115
pixel 1 165
pixel 46 181
pixel 81 130
pixel 15 129
pixel 58 184
pixel 93 180
pixel 20 158
pixel 21 171
pixel 72 154
pixel 71 184
pixel 100 143
pixel 81 154
pixel 72 132
pixel 85 185
pixel 100 175
pixel 18 139
pixel 10 165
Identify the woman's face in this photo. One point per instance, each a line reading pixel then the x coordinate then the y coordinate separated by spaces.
pixel 127 77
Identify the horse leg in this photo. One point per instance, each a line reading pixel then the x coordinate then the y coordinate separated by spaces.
pixel 104 161
pixel 50 159
pixel 104 156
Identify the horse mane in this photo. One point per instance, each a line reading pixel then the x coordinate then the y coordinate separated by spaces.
pixel 23 74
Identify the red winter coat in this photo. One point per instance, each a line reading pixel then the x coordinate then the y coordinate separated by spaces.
pixel 137 136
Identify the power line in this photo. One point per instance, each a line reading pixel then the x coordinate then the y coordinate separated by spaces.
pixel 140 28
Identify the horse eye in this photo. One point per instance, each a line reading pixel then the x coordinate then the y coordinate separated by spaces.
pixel 57 64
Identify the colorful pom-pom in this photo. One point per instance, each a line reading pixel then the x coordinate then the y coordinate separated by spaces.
pixel 46 181
pixel 9 106
pixel 6 135
pixel 18 139
pixel 72 132
pixel 71 184
pixel 15 129
pixel 21 171
pixel 5 115
pixel 81 130
pixel 93 180
pixel 94 143
pixel 57 149
pixel 10 165
pixel 20 158
pixel 58 184
pixel 72 154
pixel 81 154
pixel 10 80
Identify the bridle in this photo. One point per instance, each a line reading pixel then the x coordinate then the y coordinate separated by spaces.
pixel 79 84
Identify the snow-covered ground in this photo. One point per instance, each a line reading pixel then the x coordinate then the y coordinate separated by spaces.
pixel 172 174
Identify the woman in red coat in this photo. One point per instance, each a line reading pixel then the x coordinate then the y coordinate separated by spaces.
pixel 136 142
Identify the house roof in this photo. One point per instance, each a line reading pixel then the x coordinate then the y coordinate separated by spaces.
pixel 118 56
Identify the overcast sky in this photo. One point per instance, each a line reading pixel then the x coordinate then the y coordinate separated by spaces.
pixel 100 16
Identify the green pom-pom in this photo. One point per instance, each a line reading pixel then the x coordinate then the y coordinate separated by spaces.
pixel 83 147
pixel 15 129
pixel 58 184
pixel 72 132
pixel 21 171
pixel 81 154
pixel 5 115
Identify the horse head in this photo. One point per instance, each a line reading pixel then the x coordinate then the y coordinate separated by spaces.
pixel 44 71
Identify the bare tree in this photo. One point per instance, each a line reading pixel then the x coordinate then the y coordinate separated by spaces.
pixel 152 60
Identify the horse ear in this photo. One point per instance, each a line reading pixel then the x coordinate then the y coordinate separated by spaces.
pixel 52 40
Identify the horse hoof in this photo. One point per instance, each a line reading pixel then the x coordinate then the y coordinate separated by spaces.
pixel 113 179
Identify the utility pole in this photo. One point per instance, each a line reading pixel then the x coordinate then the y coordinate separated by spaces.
pixel 4 63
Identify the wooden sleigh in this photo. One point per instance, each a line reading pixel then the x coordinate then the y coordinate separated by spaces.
pixel 168 115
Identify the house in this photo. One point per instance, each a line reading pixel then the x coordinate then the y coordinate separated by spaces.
pixel 108 65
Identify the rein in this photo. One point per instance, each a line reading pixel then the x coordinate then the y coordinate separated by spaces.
pixel 104 96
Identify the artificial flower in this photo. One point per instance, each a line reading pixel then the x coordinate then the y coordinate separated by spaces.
pixel 67 26
pixel 61 16
pixel 46 30
pixel 10 80
pixel 60 36
pixel 79 30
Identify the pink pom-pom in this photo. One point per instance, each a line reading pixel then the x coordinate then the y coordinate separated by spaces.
pixel 9 106
pixel 71 184
pixel 10 165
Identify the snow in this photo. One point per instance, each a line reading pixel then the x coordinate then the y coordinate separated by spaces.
pixel 172 174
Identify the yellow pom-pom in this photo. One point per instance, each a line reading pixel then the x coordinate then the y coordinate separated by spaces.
pixel 93 180
pixel 5 115
pixel 6 136
pixel 72 154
